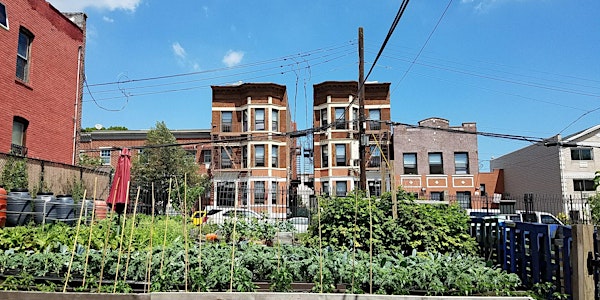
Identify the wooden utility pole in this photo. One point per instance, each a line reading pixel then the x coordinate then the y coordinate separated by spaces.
pixel 361 110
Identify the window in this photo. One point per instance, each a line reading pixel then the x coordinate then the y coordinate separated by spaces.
pixel 437 196
pixel 225 194
pixel 324 117
pixel 206 156
pixel 436 165
pixel 275 156
pixel 324 156
pixel 259 119
pixel 259 192
pixel 464 199
pixel 19 132
pixel 583 185
pixel 375 159
pixel 355 118
pixel 3 16
pixel 341 188
pixel 340 155
pixel 326 188
pixel 105 157
pixel 259 160
pixel 340 119
pixel 410 163
pixel 581 154
pixel 245 120
pixel 226 121
pixel 275 120
pixel 244 156
pixel 225 159
pixel 244 192
pixel 374 117
pixel 274 192
pixel 23 52
pixel 461 163
pixel 374 188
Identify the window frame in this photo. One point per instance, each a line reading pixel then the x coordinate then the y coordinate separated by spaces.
pixel 23 32
pixel 375 124
pixel 463 169
pixel 325 156
pixel 225 159
pixel 338 190
pixel 275 156
pixel 585 185
pixel 578 153
pixel 340 123
pixel 407 170
pixel 325 188
pixel 260 121
pixel 436 168
pixel 340 161
pixel 204 156
pixel 226 126
pixel 3 8
pixel 105 159
pixel 274 192
pixel 375 157
pixel 324 119
pixel 275 120
pixel 259 192
pixel 258 163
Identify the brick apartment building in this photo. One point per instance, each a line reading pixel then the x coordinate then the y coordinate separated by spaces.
pixel 41 80
pixel 252 156
pixel 336 146
pixel 106 144
pixel 437 161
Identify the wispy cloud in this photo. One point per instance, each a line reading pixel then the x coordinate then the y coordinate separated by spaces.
pixel 205 8
pixel 81 5
pixel 107 19
pixel 182 57
pixel 233 58
pixel 178 50
pixel 482 6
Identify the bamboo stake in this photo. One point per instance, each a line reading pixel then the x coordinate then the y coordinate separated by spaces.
pixel 185 233
pixel 107 236
pixel 121 239
pixel 131 233
pixel 370 248
pixel 233 236
pixel 149 269
pixel 87 253
pixel 162 257
pixel 200 242
pixel 74 245
pixel 354 239
pixel 320 244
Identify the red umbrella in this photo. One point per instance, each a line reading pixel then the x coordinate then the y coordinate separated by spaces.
pixel 118 191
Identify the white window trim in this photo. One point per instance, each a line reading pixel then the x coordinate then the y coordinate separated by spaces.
pixel 7 27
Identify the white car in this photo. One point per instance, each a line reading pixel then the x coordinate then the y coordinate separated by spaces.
pixel 300 224
pixel 231 213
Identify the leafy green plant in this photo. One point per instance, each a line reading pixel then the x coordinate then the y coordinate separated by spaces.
pixel 281 279
pixel 14 173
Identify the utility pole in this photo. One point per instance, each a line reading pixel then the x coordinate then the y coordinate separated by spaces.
pixel 361 111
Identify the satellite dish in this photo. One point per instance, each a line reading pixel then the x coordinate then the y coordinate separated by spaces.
pixel 98 126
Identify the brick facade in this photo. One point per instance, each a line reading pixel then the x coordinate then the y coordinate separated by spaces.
pixel 48 100
pixel 452 179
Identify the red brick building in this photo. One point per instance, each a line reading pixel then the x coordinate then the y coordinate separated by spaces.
pixel 437 161
pixel 336 147
pixel 105 144
pixel 252 155
pixel 41 79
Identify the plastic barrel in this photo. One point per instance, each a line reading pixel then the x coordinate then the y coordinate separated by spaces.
pixel 3 196
pixel 66 209
pixel 101 209
pixel 18 207
pixel 45 208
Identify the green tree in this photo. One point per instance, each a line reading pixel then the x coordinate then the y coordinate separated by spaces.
pixel 14 174
pixel 594 201
pixel 163 161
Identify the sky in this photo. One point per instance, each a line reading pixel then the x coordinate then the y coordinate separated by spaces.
pixel 518 67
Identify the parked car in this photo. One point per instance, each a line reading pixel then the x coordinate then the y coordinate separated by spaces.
pixel 220 216
pixel 519 216
pixel 300 224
